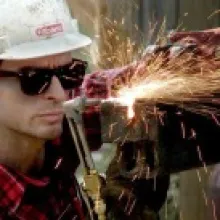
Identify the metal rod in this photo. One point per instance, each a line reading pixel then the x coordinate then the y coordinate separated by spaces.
pixel 85 146
pixel 76 141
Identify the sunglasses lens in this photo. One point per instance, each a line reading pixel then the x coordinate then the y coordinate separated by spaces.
pixel 72 75
pixel 34 82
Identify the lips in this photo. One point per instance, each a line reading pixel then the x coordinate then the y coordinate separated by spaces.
pixel 52 116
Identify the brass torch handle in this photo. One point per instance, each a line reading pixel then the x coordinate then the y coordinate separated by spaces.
pixel 93 184
pixel 100 209
pixel 92 181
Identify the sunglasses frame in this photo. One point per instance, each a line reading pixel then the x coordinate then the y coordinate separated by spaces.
pixel 73 78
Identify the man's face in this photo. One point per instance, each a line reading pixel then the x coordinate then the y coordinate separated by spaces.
pixel 39 115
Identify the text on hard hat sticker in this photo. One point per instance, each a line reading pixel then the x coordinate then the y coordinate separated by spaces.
pixel 49 30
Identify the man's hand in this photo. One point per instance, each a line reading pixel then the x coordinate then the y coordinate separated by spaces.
pixel 207 44
pixel 101 84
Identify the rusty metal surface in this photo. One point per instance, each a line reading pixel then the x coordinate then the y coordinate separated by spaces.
pixel 118 128
pixel 174 148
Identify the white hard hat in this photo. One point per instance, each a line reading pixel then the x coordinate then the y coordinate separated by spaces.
pixel 37 28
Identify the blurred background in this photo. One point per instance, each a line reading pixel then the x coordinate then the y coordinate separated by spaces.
pixel 133 21
pixel 142 15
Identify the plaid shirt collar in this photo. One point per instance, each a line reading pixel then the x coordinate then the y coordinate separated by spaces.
pixel 17 191
pixel 13 186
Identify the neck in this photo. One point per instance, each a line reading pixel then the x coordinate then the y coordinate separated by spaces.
pixel 19 151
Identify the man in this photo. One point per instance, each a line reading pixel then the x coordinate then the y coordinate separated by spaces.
pixel 36 73
pixel 37 159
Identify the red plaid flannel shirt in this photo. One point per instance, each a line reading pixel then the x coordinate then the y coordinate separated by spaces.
pixel 54 196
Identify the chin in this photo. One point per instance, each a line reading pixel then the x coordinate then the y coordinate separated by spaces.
pixel 50 133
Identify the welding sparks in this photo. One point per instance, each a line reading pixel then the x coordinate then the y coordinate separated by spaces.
pixel 181 86
pixel 127 101
pixel 205 197
pixel 201 159
pixel 131 113
pixel 177 82
pixel 177 79
pixel 214 210
pixel 199 176
pixel 183 130
pixel 146 91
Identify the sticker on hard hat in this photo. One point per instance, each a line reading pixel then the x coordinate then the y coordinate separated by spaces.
pixel 49 30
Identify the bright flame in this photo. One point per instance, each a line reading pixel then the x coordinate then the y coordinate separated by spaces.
pixel 150 90
pixel 129 95
pixel 127 100
pixel 131 113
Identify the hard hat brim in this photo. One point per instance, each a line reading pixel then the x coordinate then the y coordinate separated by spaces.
pixel 46 47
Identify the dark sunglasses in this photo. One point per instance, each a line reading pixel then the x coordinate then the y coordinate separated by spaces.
pixel 36 81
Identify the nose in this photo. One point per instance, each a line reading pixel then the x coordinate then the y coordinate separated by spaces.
pixel 55 91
